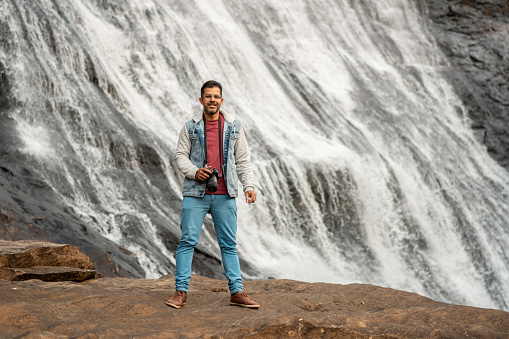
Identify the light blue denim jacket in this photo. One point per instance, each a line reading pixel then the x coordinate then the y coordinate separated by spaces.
pixel 190 156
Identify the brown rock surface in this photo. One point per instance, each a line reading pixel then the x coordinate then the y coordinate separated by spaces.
pixel 123 307
pixel 28 253
pixel 29 259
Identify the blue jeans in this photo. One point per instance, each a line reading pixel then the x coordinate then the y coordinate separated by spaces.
pixel 223 209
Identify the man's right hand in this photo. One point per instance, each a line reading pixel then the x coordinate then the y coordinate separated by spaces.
pixel 202 174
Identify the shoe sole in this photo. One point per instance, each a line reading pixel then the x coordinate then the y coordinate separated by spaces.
pixel 173 305
pixel 243 305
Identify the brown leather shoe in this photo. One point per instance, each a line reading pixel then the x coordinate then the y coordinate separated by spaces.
pixel 241 299
pixel 178 299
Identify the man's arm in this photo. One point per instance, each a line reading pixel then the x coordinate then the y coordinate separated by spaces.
pixel 244 169
pixel 181 158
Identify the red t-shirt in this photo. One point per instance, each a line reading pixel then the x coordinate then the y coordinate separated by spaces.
pixel 213 157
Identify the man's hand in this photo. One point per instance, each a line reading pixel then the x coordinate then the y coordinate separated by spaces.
pixel 202 174
pixel 250 197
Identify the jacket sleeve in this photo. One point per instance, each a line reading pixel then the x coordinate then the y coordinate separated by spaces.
pixel 181 158
pixel 243 162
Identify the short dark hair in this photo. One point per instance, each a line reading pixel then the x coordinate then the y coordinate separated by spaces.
pixel 211 84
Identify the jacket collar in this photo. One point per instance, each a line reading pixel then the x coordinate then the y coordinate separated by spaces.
pixel 227 117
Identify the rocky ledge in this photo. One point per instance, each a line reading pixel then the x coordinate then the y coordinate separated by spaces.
pixel 123 307
pixel 26 260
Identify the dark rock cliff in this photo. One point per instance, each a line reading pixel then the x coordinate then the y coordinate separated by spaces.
pixel 474 36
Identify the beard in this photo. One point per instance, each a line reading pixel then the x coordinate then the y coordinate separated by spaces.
pixel 212 110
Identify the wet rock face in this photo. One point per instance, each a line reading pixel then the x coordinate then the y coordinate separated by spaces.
pixel 24 217
pixel 4 88
pixel 474 36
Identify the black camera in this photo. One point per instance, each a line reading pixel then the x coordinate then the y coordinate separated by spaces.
pixel 212 180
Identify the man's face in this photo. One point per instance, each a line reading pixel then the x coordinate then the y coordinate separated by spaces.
pixel 211 100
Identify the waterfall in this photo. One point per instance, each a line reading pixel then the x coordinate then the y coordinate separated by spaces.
pixel 365 166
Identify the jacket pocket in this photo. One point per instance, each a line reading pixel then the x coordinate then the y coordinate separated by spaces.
pixel 197 155
pixel 233 139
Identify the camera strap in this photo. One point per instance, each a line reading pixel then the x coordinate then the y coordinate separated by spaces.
pixel 220 133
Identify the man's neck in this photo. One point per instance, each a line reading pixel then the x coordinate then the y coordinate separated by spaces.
pixel 212 117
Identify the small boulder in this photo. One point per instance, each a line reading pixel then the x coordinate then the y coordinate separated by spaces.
pixel 29 253
pixel 28 259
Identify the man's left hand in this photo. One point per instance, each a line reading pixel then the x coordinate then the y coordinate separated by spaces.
pixel 250 197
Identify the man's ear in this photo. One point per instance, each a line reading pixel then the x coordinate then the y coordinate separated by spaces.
pixel 201 100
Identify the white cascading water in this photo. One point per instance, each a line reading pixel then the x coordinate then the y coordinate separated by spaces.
pixel 366 168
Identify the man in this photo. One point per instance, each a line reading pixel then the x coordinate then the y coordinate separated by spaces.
pixel 212 140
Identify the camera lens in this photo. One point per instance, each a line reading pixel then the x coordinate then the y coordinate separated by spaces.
pixel 212 181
